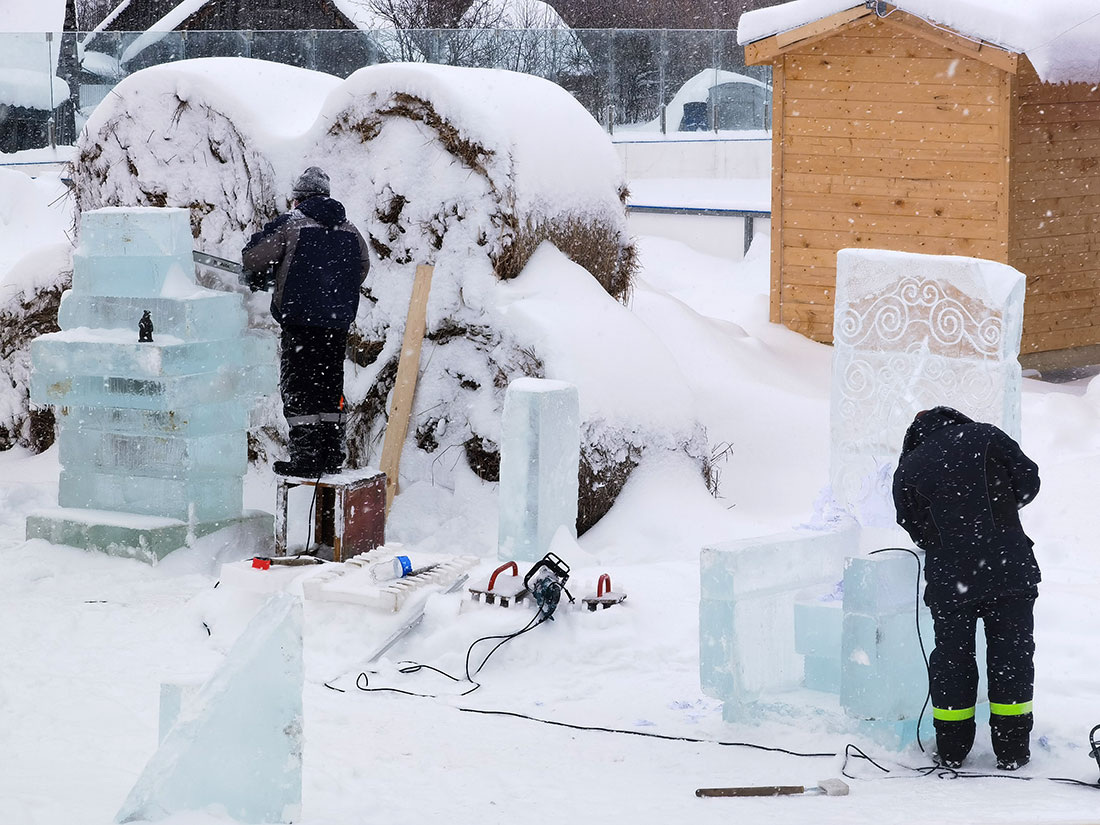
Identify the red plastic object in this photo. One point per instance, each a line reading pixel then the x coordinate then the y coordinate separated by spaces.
pixel 604 579
pixel 501 569
pixel 261 564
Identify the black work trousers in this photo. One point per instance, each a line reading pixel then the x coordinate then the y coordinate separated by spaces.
pixel 311 380
pixel 1010 647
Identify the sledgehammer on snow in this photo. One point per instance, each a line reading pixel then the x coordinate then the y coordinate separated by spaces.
pixel 828 787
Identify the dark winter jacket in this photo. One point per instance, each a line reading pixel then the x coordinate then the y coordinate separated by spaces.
pixel 957 490
pixel 319 261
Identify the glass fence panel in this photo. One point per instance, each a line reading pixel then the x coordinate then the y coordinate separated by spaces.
pixel 644 82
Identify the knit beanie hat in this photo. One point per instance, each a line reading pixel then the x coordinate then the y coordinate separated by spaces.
pixel 313 181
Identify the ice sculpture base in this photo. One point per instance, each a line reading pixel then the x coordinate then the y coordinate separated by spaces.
pixel 146 538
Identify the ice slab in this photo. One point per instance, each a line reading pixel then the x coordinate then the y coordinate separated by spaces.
pixel 209 315
pixel 229 416
pixel 911 332
pixel 134 276
pixel 539 466
pixel 136 231
pixel 154 456
pixel 238 745
pixel 188 498
pixel 100 352
pixel 145 538
pixel 748 591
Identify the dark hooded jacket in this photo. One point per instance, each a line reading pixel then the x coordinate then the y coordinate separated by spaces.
pixel 957 491
pixel 319 261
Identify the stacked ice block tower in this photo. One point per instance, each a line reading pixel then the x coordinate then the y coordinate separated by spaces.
pixel 152 435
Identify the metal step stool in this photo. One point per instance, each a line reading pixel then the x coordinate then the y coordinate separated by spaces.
pixel 349 515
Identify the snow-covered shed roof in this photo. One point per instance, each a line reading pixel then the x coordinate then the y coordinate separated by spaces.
pixel 1061 38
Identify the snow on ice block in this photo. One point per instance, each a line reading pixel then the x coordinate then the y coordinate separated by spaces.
pixel 187 498
pixel 146 538
pixel 207 315
pixel 238 745
pixel 911 332
pixel 746 611
pixel 539 465
pixel 155 456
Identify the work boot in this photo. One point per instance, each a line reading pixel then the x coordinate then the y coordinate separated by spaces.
pixel 305 453
pixel 1011 737
pixel 332 447
pixel 954 739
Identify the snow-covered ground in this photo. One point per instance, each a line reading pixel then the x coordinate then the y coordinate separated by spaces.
pixel 86 639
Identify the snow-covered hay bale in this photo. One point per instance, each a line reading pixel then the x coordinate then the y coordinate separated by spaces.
pixel 432 158
pixel 203 134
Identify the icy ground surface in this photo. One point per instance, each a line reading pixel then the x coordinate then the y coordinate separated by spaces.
pixel 85 639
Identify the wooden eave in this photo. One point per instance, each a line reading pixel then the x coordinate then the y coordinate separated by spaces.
pixel 766 50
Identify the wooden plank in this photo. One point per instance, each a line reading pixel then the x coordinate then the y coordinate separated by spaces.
pixel 1048 93
pixel 947 70
pixel 408 368
pixel 867 89
pixel 807 257
pixel 1032 114
pixel 933 227
pixel 837 184
pixel 883 147
pixel 895 112
pixel 832 127
pixel 820 276
pixel 1059 207
pixel 893 205
pixel 823 239
pixel 1053 265
pixel 809 293
pixel 811 320
pixel 1063 281
pixel 888 168
pixel 775 310
pixel 1060 150
pixel 1056 171
pixel 1055 132
pixel 999 58
pixel 1062 339
pixel 1046 188
pixel 1064 319
pixel 1062 301
pixel 1008 109
pixel 1040 227
pixel 772 47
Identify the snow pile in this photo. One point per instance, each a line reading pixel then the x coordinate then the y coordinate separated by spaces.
pixel 34 268
pixel 1059 37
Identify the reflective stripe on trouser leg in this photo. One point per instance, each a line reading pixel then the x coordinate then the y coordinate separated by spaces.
pixel 952 714
pixel 1010 708
pixel 304 420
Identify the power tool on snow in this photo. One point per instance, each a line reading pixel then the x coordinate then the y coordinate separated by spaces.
pixel 546 581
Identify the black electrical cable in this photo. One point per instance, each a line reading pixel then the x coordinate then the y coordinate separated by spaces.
pixel 920 637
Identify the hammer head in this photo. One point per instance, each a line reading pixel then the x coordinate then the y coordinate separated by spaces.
pixel 833 787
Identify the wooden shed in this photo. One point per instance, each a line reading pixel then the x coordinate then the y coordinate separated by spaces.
pixel 893 131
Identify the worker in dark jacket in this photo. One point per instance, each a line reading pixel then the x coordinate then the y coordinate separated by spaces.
pixel 957 490
pixel 315 261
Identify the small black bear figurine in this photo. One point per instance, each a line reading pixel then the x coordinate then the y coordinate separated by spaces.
pixel 145 328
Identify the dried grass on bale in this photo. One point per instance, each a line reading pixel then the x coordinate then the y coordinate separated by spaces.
pixel 22 319
pixel 508 236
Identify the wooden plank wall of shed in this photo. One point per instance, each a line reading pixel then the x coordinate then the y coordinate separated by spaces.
pixel 1056 211
pixel 888 140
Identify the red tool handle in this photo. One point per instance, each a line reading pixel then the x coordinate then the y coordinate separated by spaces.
pixel 501 569
pixel 604 579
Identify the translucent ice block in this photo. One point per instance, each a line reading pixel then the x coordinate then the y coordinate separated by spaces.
pixel 748 590
pixel 206 316
pixel 206 498
pixel 154 456
pixel 539 466
pixel 910 332
pixel 130 275
pixel 883 673
pixel 228 416
pixel 100 352
pixel 136 230
pixel 237 744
